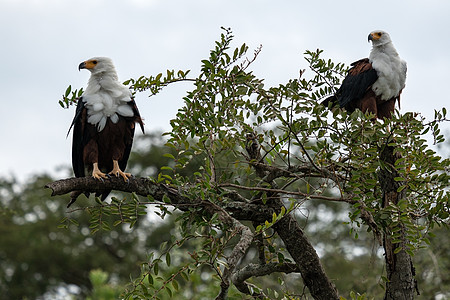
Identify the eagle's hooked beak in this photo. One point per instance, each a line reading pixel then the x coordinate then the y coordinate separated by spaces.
pixel 88 64
pixel 82 66
pixel 375 36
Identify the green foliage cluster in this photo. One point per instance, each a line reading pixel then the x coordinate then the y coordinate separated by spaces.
pixel 228 104
pixel 313 154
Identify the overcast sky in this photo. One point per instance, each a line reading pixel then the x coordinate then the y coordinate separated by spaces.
pixel 42 43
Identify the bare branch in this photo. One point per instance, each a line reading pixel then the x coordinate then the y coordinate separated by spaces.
pixel 280 191
pixel 256 270
pixel 238 253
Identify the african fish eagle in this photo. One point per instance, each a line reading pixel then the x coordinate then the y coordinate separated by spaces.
pixel 373 84
pixel 103 126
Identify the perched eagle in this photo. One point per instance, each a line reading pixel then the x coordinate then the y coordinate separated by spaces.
pixel 103 126
pixel 373 84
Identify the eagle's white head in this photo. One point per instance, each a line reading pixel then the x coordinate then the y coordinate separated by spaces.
pixel 99 66
pixel 379 38
pixel 105 97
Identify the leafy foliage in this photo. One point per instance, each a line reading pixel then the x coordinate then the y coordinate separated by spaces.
pixel 258 145
pixel 308 149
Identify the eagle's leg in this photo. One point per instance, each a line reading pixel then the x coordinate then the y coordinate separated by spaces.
pixel 118 172
pixel 97 174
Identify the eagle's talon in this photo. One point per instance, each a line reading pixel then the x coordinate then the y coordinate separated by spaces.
pixel 97 174
pixel 119 173
pixel 98 178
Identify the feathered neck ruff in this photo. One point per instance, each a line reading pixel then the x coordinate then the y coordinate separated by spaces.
pixel 106 98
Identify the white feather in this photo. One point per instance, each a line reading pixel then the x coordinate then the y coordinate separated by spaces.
pixel 125 110
pixel 127 98
pixel 114 118
pixel 101 124
pixel 95 118
pixel 105 95
pixel 98 106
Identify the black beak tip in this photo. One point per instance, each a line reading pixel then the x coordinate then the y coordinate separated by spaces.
pixel 369 38
pixel 81 66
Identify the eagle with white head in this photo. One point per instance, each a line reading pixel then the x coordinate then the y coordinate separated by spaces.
pixel 373 84
pixel 104 124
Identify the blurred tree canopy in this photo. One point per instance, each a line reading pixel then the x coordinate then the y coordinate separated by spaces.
pixel 255 193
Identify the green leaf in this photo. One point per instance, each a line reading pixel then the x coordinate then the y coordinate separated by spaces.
pixel 166 199
pixel 401 188
pixel 156 269
pixel 68 90
pixel 185 276
pixel 175 285
pixel 169 291
pixel 168 259
pixel 398 249
pixel 169 155
pixel 150 279
pixel 163 246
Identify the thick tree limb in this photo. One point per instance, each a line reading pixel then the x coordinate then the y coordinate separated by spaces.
pixel 140 186
pixel 306 258
pixel 400 271
pixel 238 253
pixel 256 270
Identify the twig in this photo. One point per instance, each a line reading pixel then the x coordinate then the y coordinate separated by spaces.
pixel 271 190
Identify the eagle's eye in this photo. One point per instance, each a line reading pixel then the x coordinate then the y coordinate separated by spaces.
pixel 379 33
pixel 94 62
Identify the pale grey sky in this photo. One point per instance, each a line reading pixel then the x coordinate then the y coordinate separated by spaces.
pixel 43 41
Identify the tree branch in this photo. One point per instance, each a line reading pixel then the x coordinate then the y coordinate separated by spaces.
pixel 146 187
pixel 256 270
pixel 281 191
pixel 236 255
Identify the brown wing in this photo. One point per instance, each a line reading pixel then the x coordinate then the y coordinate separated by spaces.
pixel 356 84
pixel 79 139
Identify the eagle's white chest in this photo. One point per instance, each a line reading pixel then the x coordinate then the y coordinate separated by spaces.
pixel 391 70
pixel 106 98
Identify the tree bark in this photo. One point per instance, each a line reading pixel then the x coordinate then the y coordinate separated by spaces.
pixel 306 258
pixel 401 284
